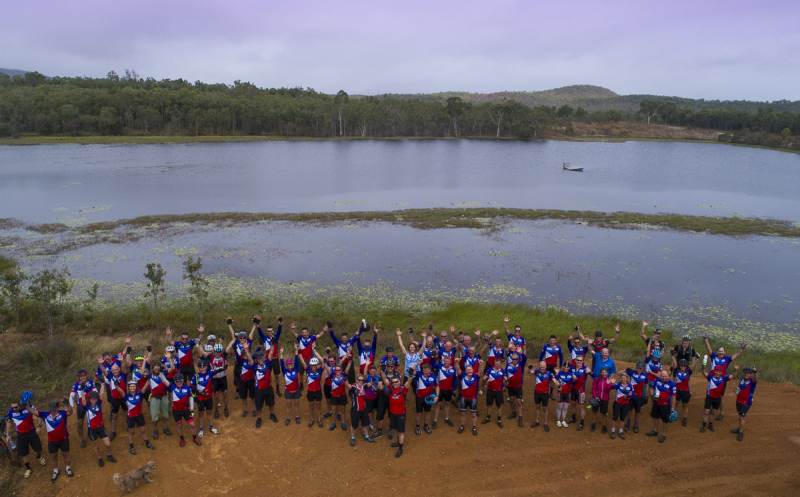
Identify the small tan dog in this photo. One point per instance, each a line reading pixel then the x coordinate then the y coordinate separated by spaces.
pixel 128 482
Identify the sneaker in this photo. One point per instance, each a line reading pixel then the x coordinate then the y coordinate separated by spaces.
pixel 661 438
pixel 110 458
pixel 167 432
pixel 448 422
pixel 327 414
pixel 426 429
pixel 352 441
pixel 534 424
pixel 148 445
pixel 214 430
pixel 740 436
pixel 42 461
pixel 244 414
pixel 564 424
pixel 546 428
pixel 273 417
pixel 369 440
pixel 154 435
pixel 258 422
pixel 417 430
pixel 343 426
pixel 612 435
pixel 394 444
pixel 434 423
pixel 684 422
pixel 311 424
pixel 710 426
pixel 399 451
pixel 254 413
pixel 500 422
pixel 287 421
pixel 486 420
pixel 604 429
pixel 132 450
pixel 68 471
pixel 333 426
pixel 621 435
pixel 461 429
pixel 54 475
pixel 196 440
pixel 573 419
pixel 28 472
pixel 735 430
pixel 580 427
pixel 558 423
pixel 100 462
pixel 636 428
pixel 651 433
pixel 182 442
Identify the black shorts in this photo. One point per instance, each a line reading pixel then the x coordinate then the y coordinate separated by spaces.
pixel 220 384
pixel 541 398
pixel 445 395
pixel 247 389
pixel 683 396
pixel 467 404
pixel 54 447
pixel 564 397
pixel 117 404
pixel 372 404
pixel 265 396
pixel 514 393
pixel 276 366
pixel 397 422
pixel 711 403
pixel 314 396
pixel 134 421
pixel 359 418
pixel 637 403
pixel 551 369
pixel 326 389
pixel 26 441
pixel 383 404
pixel 97 433
pixel 742 409
pixel 494 398
pixel 602 406
pixel 80 412
pixel 339 401
pixel 621 411
pixel 577 396
pixel 421 405
pixel 292 395
pixel 187 371
pixel 205 405
pixel 182 415
pixel 660 412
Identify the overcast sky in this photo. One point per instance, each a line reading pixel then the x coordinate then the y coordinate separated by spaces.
pixel 701 48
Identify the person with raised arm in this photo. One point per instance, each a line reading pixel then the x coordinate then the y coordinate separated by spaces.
pixel 565 381
pixel 468 386
pixel 426 394
pixel 20 416
pixel 715 389
pixel 446 378
pixel 359 415
pixel 292 383
pixel 721 360
pixel 412 356
pixel 581 372
pixel 96 429
pixel 270 343
pixel 315 374
pixel 494 384
pixel 77 399
pixel 239 343
pixel 654 346
pixel 663 393
pixel 159 402
pixel 182 409
pixel 515 336
pixel 514 375
pixel 339 394
pixel 218 364
pixel 306 341
pixel 55 422
pixel 202 384
pixel 682 375
pixel 640 385
pixel 396 393
pixel 246 387
pixel 621 384
pixel 543 379
pixel 577 345
pixel 344 346
pixel 116 395
pixel 264 394
pixel 366 351
pixel 745 390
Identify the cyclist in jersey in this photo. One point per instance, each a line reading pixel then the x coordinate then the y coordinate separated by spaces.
pixel 77 399
pixel 202 383
pixel 412 357
pixel 21 417
pixel 389 358
pixel 543 378
pixel 577 398
pixel 218 364
pixel 721 360
pixel 182 407
pixel 270 343
pixel 96 428
pixel 262 384
pixel 134 406
pixel 715 389
pixel 244 370
pixel 339 395
pixel 682 375
pixel 663 390
pixel 565 381
pixel 344 347
pixel 684 351
pixel 292 383
pixel 577 345
pixel 495 384
pixel 745 390
pixel 427 385
pixel 514 376
pixel 115 378
pixel 314 380
pixel 640 384
pixel 601 390
pixel 446 378
pixel 468 384
pixel 184 347
pixel 55 422
pixel 157 388
pixel 396 392
pixel 515 336
pixel 359 415
pixel 391 372
pixel 654 346
pixel 366 351
pixel 621 384
pixel 238 344
pixel 373 383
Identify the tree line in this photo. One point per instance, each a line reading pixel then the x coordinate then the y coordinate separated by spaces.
pixel 130 105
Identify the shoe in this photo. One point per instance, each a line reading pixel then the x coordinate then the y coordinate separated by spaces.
pixel 155 435
pixel 369 440
pixel 132 450
pixel 662 438
pixel 427 429
pixel 486 420
pixel 500 422
pixel 167 432
pixel 612 435
pixel 287 421
pixel 573 419
pixel 343 426
pixel 226 412
pixel 327 414
pixel 593 427
pixel 100 462
pixel 196 440
pixel 68 471
pixel 258 422
pixel 461 429
pixel 42 461
pixel 740 436
pixel 254 413
pixel 684 422
pixel 558 423
pixel 394 444
pixel 519 421
pixel 734 430
pixel 475 431
pixel 546 428
pixel 53 475
pixel 564 424
pixel 333 426
pixel 399 451
pixel 635 428
pixel 311 424
pixel 651 433
pixel 378 434
pixel 448 422
pixel 710 426
pixel 83 444
pixel 580 427
pixel 182 442
pixel 214 430
pixel 621 435
pixel 417 430
pixel 434 423
pixel 297 420
pixel 216 413
pixel 534 424
pixel 244 414
pixel 111 458
pixel 273 417
pixel 352 441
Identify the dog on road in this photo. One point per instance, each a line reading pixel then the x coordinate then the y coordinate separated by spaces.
pixel 129 481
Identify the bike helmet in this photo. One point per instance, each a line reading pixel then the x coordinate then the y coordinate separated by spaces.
pixel 212 338
pixel 170 348
pixel 314 362
pixel 218 347
pixel 208 348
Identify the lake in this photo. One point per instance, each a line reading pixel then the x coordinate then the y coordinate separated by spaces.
pixel 749 285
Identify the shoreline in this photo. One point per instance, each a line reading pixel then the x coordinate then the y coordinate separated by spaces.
pixel 32 140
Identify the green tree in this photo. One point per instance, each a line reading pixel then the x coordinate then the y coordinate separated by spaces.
pixel 156 284
pixel 49 288
pixel 455 107
pixel 11 289
pixel 198 284
pixel 340 101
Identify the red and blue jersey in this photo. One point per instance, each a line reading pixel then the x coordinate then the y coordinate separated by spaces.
pixel 185 351
pixel 663 391
pixel 566 380
pixel 158 385
pixel 338 385
pixel 114 384
pixel 638 382
pixel 139 375
pixel 134 403
pixel 358 397
pixel 494 353
pixel 203 386
pixel 366 355
pixel 551 355
pixel 344 349
pixel 445 377
pixel 263 373
pixel 218 364
pixel 574 351
pixel 682 377
pixel 82 391
pixel 397 400
pixel 94 415
pixel 624 394
pixel 580 374
pixel 180 397
pixel 389 359
pixel 239 348
pixel 291 377
pixel 305 345
pixel 542 381
pixel 426 384
pixel 247 370
pixel 170 366
pixel 715 388
pixel 473 360
pixel 468 386
pixel 519 341
pixel 56 425
pixel 515 374
pixel 745 391
pixel 430 355
pixel 268 342
pixel 495 379
pixel 104 369
pixel 721 363
pixel 22 419
pixel 313 379
pixel 652 368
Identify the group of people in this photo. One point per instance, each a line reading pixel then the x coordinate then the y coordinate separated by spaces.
pixel 443 373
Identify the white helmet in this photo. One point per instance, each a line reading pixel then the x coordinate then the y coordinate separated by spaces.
pixel 212 338
pixel 170 348
pixel 314 361
pixel 208 348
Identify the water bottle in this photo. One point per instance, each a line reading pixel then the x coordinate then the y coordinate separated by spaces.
pixel 705 360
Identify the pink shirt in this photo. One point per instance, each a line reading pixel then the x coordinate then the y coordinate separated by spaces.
pixel 601 388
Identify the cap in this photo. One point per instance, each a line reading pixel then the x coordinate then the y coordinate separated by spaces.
pixel 241 334
pixel 132 382
pixel 314 361
pixel 683 362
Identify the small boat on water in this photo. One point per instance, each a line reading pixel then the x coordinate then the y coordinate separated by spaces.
pixel 566 166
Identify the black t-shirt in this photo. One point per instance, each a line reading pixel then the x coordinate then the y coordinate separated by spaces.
pixel 688 353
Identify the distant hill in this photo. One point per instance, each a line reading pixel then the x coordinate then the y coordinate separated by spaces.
pixel 597 98
pixel 12 72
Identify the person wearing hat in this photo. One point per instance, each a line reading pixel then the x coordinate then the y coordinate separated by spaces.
pixel 494 382
pixel 96 429
pixel 359 416
pixel 514 336
pixel 621 384
pixel 246 386
pixel 314 379
pixel 239 344
pixel 721 360
pixel 55 421
pixel 218 364
pixel 639 383
pixel 169 362
pixel 514 372
pixel 270 341
pixel 664 390
pixel 715 390
pixel 134 402
pixel 745 390
pixel 292 384
pixel 445 379
pixel 158 389
pixel 654 345
pixel 77 399
pixel 182 407
pixel 577 345
pixel 339 395
pixel 581 372
pixel 427 386
pixel 344 346
pixel 389 358
pixel 396 392
pixel 391 372
pixel 684 351
pixel 184 348
pixel 682 375
pixel 367 350
pixel 115 383
pixel 203 390
pixel 468 383
pixel 262 381
pixel 21 417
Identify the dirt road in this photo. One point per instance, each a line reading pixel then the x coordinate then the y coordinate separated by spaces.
pixel 513 461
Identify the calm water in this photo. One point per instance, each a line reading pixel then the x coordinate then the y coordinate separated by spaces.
pixel 81 183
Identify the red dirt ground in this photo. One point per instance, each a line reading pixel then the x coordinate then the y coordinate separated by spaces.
pixel 297 460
